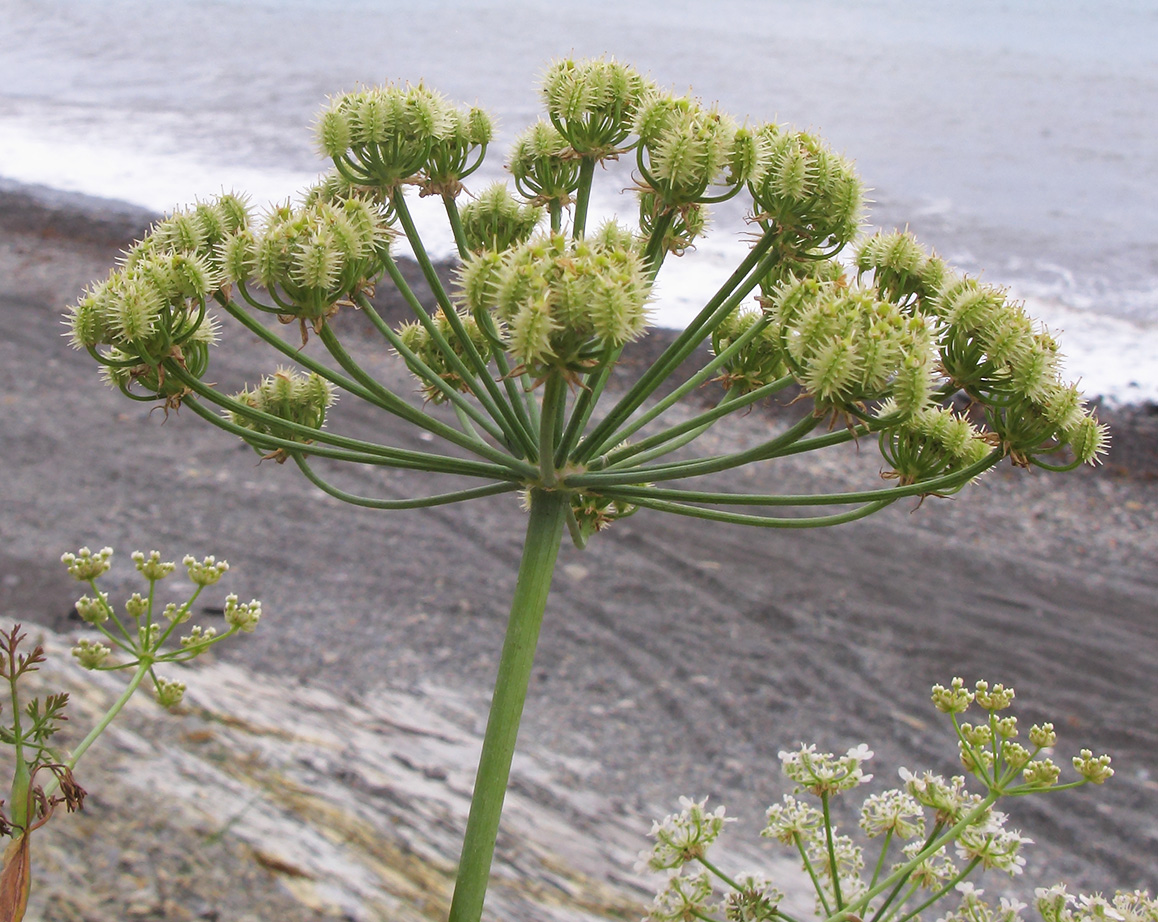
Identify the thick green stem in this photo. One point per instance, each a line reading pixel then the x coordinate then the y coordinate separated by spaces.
pixel 544 534
pixel 583 197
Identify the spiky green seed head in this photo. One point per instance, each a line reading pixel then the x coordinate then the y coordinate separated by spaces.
pixel 496 221
pixel 592 102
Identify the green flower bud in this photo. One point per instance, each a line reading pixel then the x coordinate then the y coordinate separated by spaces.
pixel 90 654
pixel 243 617
pixel 198 638
pixel 429 351
pixel 234 210
pixel 206 572
pixel 980 735
pixel 1095 769
pixel 478 280
pixel 1088 439
pixel 997 698
pixel 845 346
pixel 136 606
pixel 168 693
pixel 592 102
pixel 177 614
pixel 335 132
pixel 543 165
pixel 759 361
pixel 237 255
pixel 684 149
pixel 152 567
pixel 148 636
pixel 1041 773
pixel 291 396
pixel 93 611
pixel 86 323
pixel 84 565
pixel 384 136
pixel 747 157
pixel 496 221
pixel 448 162
pixel 1015 755
pixel 1042 736
pixel 133 310
pixel 952 700
pixel 558 298
pixel 182 232
pixel 811 194
pixel 480 128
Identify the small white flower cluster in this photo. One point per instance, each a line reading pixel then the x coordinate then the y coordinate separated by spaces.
pixel 169 692
pixel 684 836
pixel 90 654
pixel 84 565
pixel 993 845
pixel 1056 905
pixel 975 909
pixel 822 773
pixel 949 798
pixel 152 567
pixel 206 572
pixel 965 833
pixel 242 616
pixel 892 811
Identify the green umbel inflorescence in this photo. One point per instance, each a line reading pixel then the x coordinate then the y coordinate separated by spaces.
pixel 882 338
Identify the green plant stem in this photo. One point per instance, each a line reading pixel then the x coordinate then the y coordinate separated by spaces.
pixel 694 468
pixel 21 774
pixel 101 725
pixel 734 290
pixel 699 378
pixel 479 386
pixel 383 398
pixel 764 521
pixel 946 889
pixel 342 447
pixel 816 884
pixel 540 550
pixel 502 408
pixel 834 871
pixel 421 369
pixel 881 858
pixel 452 215
pixel 110 715
pixel 896 880
pixel 583 197
pixel 368 502
pixel 554 394
pixel 938 484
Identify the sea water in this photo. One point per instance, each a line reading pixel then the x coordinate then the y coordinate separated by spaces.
pixel 1016 137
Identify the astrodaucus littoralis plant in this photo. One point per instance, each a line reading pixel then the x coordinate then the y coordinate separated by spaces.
pixel 878 334
pixel 143 635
